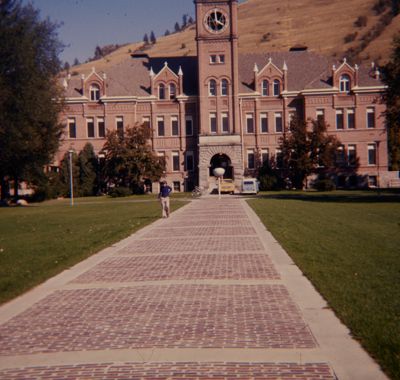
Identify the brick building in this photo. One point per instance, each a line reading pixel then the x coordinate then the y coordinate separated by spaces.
pixel 221 108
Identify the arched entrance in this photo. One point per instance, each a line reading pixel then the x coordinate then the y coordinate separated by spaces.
pixel 221 160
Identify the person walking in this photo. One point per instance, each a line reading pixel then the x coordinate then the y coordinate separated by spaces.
pixel 163 196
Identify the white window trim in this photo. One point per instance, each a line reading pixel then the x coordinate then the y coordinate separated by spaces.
pixel 174 118
pixel 264 115
pixel 213 115
pixel 88 120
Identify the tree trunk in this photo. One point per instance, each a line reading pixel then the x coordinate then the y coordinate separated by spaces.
pixel 15 188
pixel 4 188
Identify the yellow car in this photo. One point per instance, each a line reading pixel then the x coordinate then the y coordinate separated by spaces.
pixel 227 186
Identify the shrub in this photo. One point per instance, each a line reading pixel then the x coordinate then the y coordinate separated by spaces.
pixel 350 37
pixel 324 185
pixel 361 21
pixel 120 191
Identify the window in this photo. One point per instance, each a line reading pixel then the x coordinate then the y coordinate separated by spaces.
pixel 174 126
pixel 340 155
pixel 72 128
pixel 94 92
pixel 189 162
pixel 249 123
pixel 277 87
pixel 161 91
pixel 320 115
pixel 339 119
pixel 224 87
pixel 352 155
pixel 101 128
pixel 250 159
pixel 146 121
pixel 175 161
pixel 344 83
pixel 90 127
pixel 371 117
pixel 120 125
pixel 265 88
pixel 176 186
pixel 160 126
pixel 221 58
pixel 351 121
pixel 279 158
pixel 371 154
pixel 225 123
pixel 213 59
pixel 213 123
pixel 278 122
pixel 212 88
pixel 264 155
pixel 172 91
pixel 264 122
pixel 189 126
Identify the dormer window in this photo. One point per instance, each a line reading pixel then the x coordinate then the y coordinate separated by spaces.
pixel 344 83
pixel 277 87
pixel 161 91
pixel 94 92
pixel 265 88
pixel 172 91
pixel 212 88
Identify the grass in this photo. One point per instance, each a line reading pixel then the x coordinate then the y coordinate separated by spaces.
pixel 39 241
pixel 348 245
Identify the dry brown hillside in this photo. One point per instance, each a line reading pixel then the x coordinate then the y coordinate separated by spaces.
pixel 277 25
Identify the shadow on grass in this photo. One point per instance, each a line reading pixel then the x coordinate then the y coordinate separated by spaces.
pixel 366 196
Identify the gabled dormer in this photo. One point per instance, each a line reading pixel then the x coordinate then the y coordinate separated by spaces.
pixel 94 86
pixel 166 85
pixel 345 77
pixel 270 80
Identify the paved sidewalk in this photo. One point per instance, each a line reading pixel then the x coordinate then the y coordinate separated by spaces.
pixel 205 294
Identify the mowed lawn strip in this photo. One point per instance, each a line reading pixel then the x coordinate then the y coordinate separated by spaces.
pixel 348 245
pixel 41 240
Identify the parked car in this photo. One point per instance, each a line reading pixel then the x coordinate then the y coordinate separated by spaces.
pixel 227 186
pixel 250 186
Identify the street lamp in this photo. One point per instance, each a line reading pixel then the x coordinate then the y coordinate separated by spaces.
pixel 71 180
pixel 219 172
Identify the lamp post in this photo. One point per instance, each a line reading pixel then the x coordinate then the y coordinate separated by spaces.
pixel 219 172
pixel 71 180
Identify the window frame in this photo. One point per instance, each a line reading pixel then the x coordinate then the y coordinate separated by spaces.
pixel 189 154
pixel 101 127
pixel 265 87
pixel 251 158
pixel 119 125
pixel 277 87
pixel 213 122
pixel 176 167
pixel 160 126
pixel 224 87
pixel 172 91
pixel 351 118
pixel 161 92
pixel 71 121
pixel 339 119
pixel 94 92
pixel 371 147
pixel 250 117
pixel 212 87
pixel 90 130
pixel 370 111
pixel 225 122
pixel 278 116
pixel 174 132
pixel 345 83
pixel 264 116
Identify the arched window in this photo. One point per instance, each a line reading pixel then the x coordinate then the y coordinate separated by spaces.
pixel 212 88
pixel 94 92
pixel 277 87
pixel 344 83
pixel 224 87
pixel 265 88
pixel 161 91
pixel 172 91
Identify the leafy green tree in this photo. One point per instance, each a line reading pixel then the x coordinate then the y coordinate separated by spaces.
pixel 129 160
pixel 29 65
pixel 391 77
pixel 306 149
pixel 87 163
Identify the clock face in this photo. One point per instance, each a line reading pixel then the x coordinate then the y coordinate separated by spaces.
pixel 216 21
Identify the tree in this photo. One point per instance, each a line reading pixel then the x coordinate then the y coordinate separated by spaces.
pixel 66 67
pixel 65 177
pixel 76 62
pixel 87 163
pixel 129 160
pixel 177 27
pixel 184 21
pixel 391 77
pixel 98 53
pixel 146 39
pixel 29 65
pixel 153 39
pixel 167 33
pixel 306 149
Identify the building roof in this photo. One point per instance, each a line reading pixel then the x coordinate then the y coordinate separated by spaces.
pixel 305 70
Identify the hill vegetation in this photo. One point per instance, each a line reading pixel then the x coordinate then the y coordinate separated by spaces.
pixel 361 30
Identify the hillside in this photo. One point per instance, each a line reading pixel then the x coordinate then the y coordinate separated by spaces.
pixel 277 25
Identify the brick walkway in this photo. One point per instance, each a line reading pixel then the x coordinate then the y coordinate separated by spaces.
pixel 197 296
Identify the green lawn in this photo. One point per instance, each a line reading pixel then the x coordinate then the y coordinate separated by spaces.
pixel 348 245
pixel 41 240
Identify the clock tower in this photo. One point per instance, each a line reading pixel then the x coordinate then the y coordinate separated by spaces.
pixel 217 51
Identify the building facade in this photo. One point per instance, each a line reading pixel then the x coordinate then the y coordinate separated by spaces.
pixel 222 108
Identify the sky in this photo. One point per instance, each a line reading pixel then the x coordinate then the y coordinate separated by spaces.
pixel 90 23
